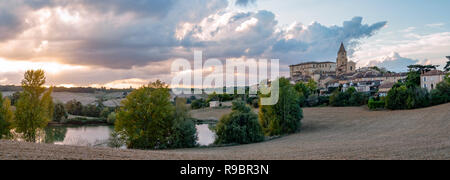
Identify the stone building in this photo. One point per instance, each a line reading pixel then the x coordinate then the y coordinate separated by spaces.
pixel 323 70
pixel 430 79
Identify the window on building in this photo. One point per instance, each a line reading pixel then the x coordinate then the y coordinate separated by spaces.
pixel 424 79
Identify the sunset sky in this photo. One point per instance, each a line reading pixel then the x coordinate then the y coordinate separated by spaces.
pixel 120 43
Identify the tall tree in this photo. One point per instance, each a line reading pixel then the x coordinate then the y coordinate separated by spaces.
pixel 285 116
pixel 6 117
pixel 34 108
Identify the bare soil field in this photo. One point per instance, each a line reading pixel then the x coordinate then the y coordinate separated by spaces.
pixel 327 133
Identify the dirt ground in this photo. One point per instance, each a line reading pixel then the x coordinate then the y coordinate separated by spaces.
pixel 327 133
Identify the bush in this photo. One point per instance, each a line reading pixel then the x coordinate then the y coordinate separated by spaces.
pixel 111 119
pixel 373 104
pixel 285 116
pixel 239 127
pixel 199 103
pixel 348 98
pixel 402 96
pixel 441 94
pixel 324 100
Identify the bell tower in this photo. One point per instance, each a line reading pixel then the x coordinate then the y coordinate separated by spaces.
pixel 341 61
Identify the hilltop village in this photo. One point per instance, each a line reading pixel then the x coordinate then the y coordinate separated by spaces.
pixel 371 80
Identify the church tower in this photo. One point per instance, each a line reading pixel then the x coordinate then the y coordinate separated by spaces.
pixel 341 61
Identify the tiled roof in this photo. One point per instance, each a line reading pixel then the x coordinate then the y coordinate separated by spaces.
pixel 386 85
pixel 433 73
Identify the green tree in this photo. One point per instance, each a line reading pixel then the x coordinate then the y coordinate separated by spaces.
pixel 350 97
pixel 60 113
pixel 147 118
pixel 74 107
pixel 184 133
pixel 414 73
pixel 6 117
pixel 285 116
pixel 241 126
pixel 304 93
pixel 441 94
pixel 312 86
pixel 34 108
pixel 111 119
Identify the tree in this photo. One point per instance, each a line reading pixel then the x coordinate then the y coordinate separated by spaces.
pixel 34 108
pixel 312 86
pixel 403 97
pixel 285 116
pixel 147 118
pixel 441 94
pixel 60 113
pixel 184 133
pixel 447 66
pixel 414 73
pixel 241 126
pixel 304 93
pixel 111 118
pixel 74 107
pixel 6 117
pixel 198 104
pixel 350 97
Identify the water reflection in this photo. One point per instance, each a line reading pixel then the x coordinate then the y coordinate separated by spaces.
pixel 101 135
pixel 205 135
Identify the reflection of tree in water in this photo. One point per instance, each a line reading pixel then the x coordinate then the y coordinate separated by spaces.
pixel 55 134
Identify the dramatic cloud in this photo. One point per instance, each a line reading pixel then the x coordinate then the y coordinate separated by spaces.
pixel 394 62
pixel 432 47
pixel 244 2
pixel 118 40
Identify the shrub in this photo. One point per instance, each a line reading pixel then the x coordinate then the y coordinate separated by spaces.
pixel 239 127
pixel 348 98
pixel 373 104
pixel 111 119
pixel 402 96
pixel 285 116
pixel 198 104
pixel 441 94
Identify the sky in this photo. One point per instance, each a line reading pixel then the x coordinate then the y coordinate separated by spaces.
pixel 115 43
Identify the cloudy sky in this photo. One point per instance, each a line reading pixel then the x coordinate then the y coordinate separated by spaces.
pixel 118 43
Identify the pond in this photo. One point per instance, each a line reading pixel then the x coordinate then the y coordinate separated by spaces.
pixel 100 135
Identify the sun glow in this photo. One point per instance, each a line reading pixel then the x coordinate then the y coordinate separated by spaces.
pixel 49 67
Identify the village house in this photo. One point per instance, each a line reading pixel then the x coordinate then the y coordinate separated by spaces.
pixel 383 89
pixel 430 79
